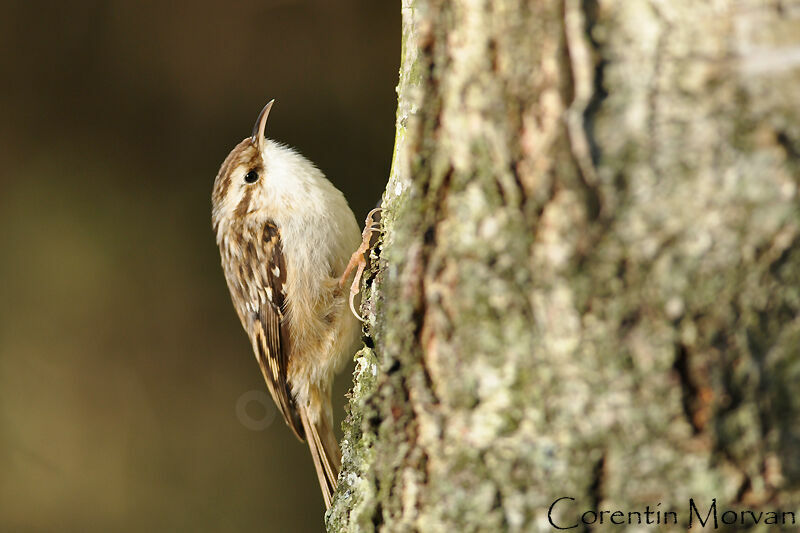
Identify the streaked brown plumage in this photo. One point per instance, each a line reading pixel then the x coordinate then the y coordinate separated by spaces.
pixel 285 235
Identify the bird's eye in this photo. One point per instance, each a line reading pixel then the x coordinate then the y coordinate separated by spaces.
pixel 251 177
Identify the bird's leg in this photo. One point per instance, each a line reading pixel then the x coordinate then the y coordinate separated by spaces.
pixel 358 261
pixel 358 256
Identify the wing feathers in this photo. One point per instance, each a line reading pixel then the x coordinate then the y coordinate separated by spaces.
pixel 255 269
pixel 256 272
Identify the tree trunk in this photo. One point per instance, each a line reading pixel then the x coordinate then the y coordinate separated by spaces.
pixel 588 283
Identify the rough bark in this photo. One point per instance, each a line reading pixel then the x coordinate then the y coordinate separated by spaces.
pixel 588 283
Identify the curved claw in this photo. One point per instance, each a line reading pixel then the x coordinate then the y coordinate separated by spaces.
pixel 352 305
pixel 370 222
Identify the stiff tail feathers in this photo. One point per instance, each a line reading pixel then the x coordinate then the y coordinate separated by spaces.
pixel 324 451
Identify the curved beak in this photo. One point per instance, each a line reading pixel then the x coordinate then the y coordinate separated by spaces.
pixel 260 125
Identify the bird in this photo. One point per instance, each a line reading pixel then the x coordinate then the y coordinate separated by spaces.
pixel 286 237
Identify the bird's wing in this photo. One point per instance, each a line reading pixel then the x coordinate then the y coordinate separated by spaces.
pixel 269 333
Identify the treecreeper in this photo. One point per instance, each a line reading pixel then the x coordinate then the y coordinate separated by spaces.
pixel 286 236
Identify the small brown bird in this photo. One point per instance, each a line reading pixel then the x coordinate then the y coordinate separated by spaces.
pixel 285 234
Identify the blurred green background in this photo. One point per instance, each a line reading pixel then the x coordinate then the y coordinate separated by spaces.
pixel 126 381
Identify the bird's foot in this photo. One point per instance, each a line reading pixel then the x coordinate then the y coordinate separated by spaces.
pixel 358 260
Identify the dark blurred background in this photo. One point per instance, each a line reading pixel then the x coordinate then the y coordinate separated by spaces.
pixel 129 398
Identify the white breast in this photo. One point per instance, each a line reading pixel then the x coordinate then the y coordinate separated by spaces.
pixel 318 228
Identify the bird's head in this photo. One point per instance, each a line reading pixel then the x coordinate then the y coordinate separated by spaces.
pixel 243 181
